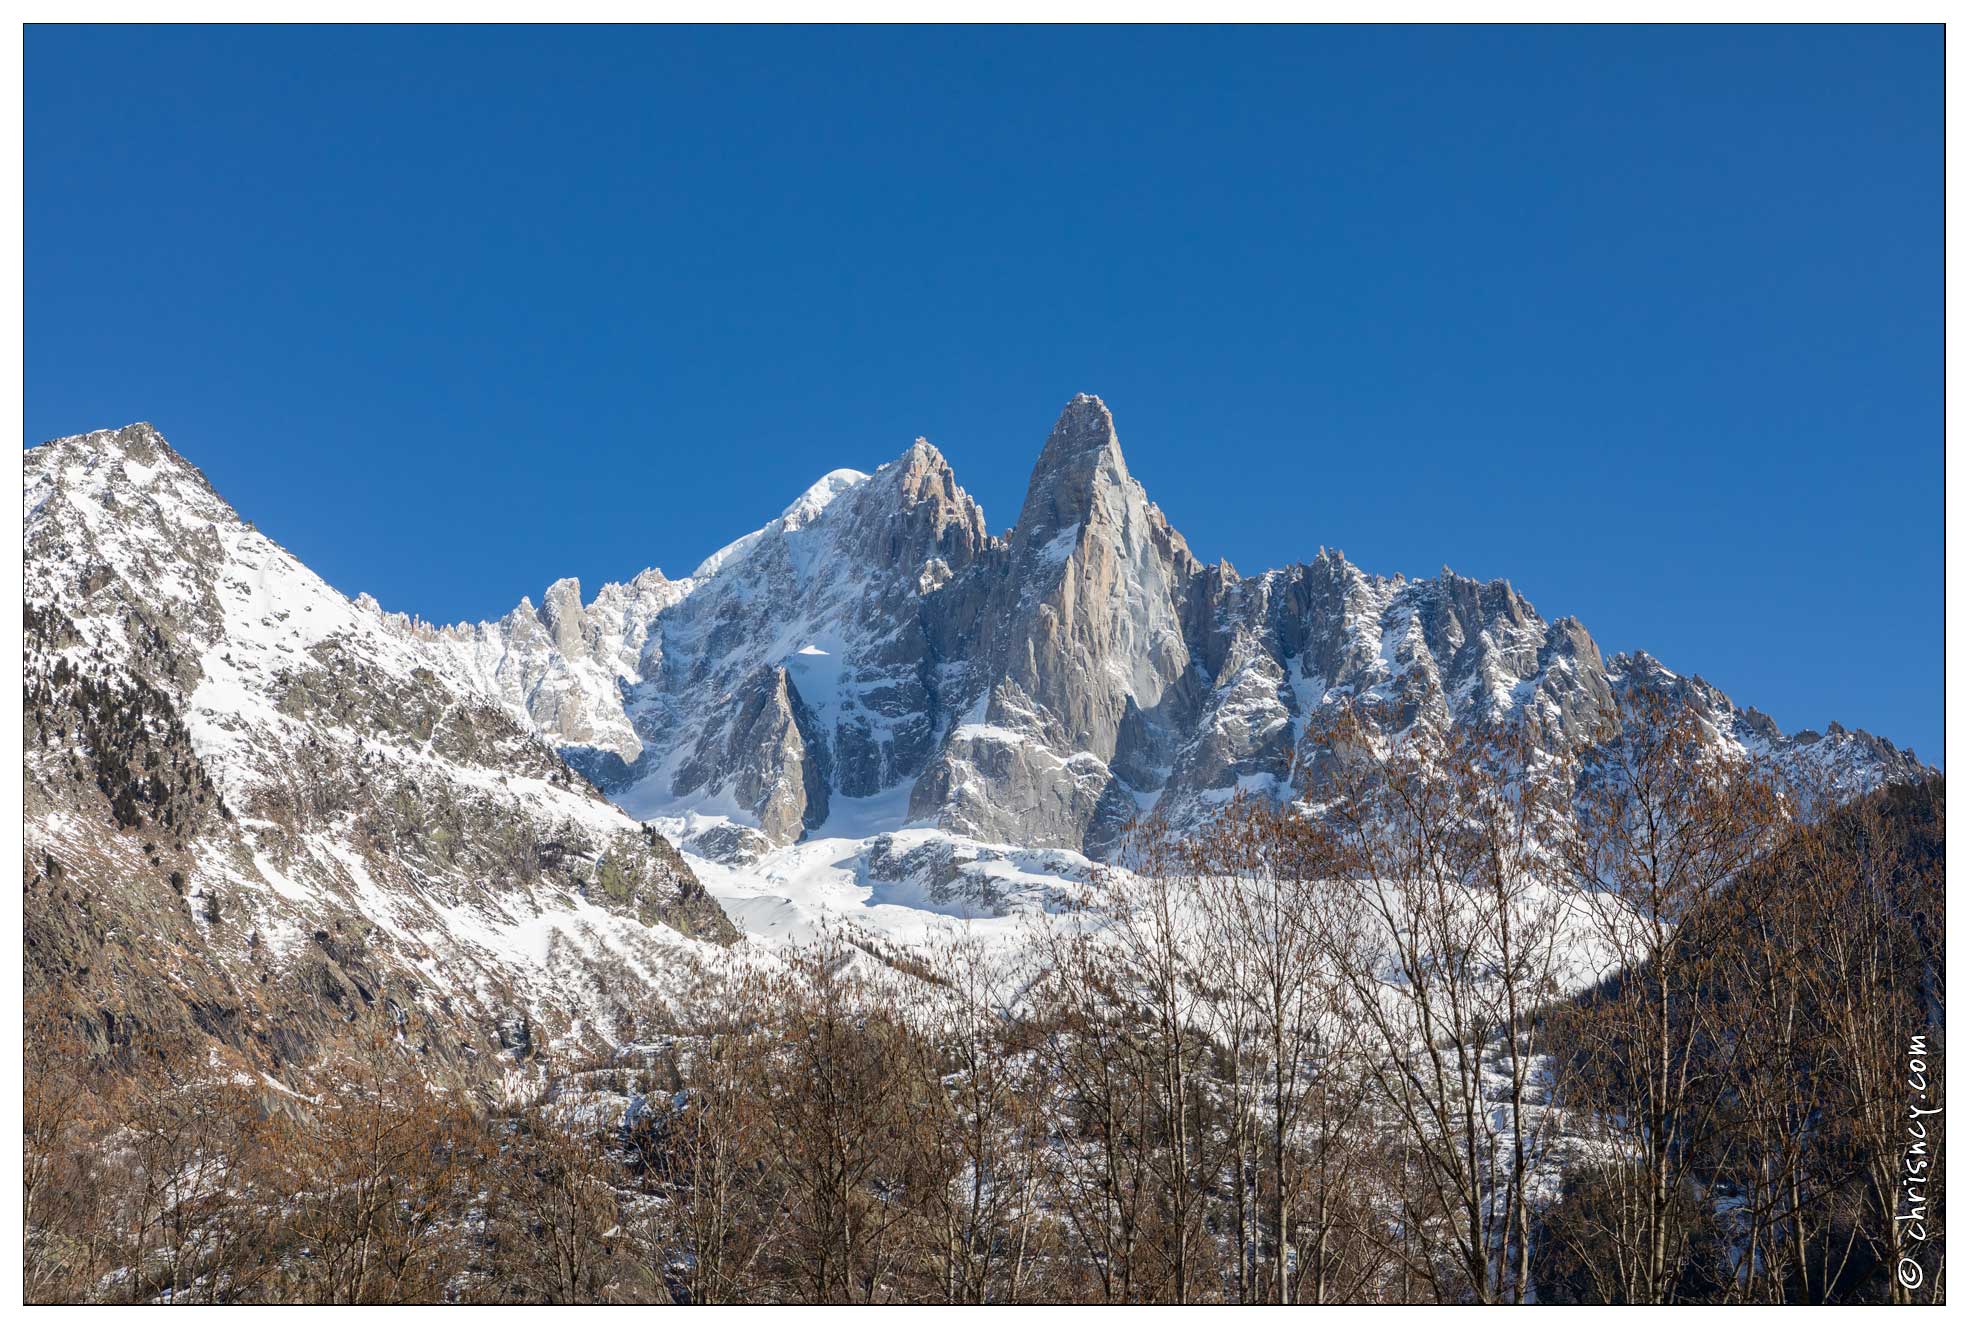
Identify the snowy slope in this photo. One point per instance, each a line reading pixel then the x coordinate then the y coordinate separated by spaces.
pixel 378 835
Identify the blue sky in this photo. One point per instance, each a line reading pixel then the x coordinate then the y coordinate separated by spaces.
pixel 1647 320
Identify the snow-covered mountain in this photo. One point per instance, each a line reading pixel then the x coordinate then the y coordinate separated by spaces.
pixel 876 647
pixel 255 808
pixel 260 808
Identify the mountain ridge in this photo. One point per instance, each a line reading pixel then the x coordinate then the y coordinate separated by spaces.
pixel 313 812
pixel 1078 668
pixel 1039 686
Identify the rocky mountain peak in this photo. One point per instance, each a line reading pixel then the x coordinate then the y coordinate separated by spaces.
pixel 1080 464
pixel 922 455
pixel 914 511
pixel 133 462
pixel 138 440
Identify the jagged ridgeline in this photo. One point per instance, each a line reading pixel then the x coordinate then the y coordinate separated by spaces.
pixel 875 655
pixel 262 810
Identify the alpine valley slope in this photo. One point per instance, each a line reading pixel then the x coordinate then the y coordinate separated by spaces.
pixel 264 807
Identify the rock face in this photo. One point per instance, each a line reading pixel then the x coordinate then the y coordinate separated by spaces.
pixel 768 757
pixel 259 809
pixel 800 668
pixel 1084 656
pixel 875 656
